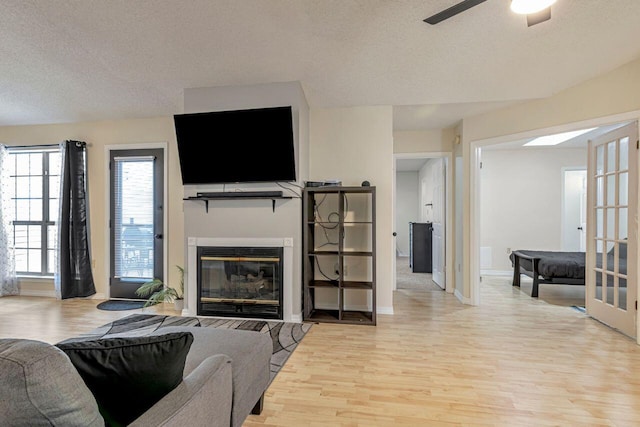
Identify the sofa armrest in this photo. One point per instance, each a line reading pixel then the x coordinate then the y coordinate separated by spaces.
pixel 203 398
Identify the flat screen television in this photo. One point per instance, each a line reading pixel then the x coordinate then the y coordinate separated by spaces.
pixel 254 145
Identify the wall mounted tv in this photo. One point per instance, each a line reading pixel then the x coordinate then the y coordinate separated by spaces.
pixel 254 145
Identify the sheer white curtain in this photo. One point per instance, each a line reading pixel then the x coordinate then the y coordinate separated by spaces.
pixel 8 279
pixel 57 285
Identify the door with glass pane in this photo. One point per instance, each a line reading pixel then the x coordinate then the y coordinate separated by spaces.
pixel 136 219
pixel 612 229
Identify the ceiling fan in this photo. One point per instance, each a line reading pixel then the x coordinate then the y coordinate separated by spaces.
pixel 537 11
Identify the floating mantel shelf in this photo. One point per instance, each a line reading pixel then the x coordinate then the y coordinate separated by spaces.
pixel 231 196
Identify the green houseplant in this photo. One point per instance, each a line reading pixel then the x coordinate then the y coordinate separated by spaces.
pixel 158 292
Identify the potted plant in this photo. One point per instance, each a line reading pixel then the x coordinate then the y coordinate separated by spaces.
pixel 158 292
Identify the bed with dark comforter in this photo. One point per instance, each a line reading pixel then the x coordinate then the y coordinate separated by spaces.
pixel 565 268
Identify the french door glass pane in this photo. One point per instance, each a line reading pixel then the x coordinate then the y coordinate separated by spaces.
pixel 611 156
pixel 623 193
pixel 608 294
pixel 611 190
pixel 598 281
pixel 624 153
pixel 622 293
pixel 599 191
pixel 622 223
pixel 599 223
pixel 600 160
pixel 611 223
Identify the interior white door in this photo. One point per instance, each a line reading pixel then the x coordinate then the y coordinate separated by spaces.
pixel 574 210
pixel 612 230
pixel 437 250
pixel 438 241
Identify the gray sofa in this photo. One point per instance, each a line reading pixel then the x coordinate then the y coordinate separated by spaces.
pixel 225 376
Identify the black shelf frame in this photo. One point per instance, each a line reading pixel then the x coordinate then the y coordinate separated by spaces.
pixel 230 197
pixel 311 255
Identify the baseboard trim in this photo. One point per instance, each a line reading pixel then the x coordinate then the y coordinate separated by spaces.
pixel 496 272
pixel 52 294
pixel 37 293
pixel 296 318
pixel 379 310
pixel 384 310
pixel 462 298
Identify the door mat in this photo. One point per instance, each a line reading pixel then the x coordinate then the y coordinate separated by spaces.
pixel 120 305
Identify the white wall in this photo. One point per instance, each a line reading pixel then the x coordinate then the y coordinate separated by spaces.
pixel 354 145
pixel 423 141
pixel 407 208
pixel 521 200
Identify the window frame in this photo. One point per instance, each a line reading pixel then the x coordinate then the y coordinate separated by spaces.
pixel 45 269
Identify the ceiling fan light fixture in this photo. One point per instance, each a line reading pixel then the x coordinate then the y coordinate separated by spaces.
pixel 526 7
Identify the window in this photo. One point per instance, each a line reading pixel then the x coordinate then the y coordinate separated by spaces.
pixel 133 217
pixel 34 189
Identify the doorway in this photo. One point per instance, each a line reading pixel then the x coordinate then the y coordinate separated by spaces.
pixel 574 210
pixel 421 203
pixel 478 148
pixel 136 180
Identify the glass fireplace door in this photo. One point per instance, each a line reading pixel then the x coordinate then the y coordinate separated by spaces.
pixel 240 282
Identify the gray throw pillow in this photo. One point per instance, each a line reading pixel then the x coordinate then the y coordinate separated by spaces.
pixel 40 387
pixel 127 376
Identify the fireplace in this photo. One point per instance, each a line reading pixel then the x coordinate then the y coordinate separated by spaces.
pixel 288 293
pixel 240 282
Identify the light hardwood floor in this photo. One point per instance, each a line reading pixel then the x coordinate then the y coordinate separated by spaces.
pixel 512 361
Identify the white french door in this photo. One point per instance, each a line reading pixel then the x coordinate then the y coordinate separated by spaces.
pixel 612 229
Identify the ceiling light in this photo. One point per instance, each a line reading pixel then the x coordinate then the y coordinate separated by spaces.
pixel 557 138
pixel 526 7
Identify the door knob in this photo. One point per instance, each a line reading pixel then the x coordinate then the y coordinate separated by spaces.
pixel 395 234
pixel 158 236
pixel 579 228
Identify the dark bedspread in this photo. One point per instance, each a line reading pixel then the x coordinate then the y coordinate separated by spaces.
pixel 570 265
pixel 566 265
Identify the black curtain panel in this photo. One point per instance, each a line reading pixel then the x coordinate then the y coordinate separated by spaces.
pixel 74 276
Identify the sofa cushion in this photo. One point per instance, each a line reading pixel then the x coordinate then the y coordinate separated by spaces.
pixel 129 375
pixel 40 386
pixel 250 353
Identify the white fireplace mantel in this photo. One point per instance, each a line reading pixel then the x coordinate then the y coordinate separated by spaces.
pixel 286 243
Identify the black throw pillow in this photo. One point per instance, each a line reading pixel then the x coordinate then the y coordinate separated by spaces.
pixel 127 376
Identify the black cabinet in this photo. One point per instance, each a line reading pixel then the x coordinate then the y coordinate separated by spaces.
pixel 420 252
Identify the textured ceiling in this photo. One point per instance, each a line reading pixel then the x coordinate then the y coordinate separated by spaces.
pixel 67 61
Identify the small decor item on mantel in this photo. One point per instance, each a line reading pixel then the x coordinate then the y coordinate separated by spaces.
pixel 158 292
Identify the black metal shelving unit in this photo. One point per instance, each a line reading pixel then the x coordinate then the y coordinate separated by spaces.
pixel 339 261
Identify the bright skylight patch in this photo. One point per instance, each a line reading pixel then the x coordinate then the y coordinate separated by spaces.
pixel 556 139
